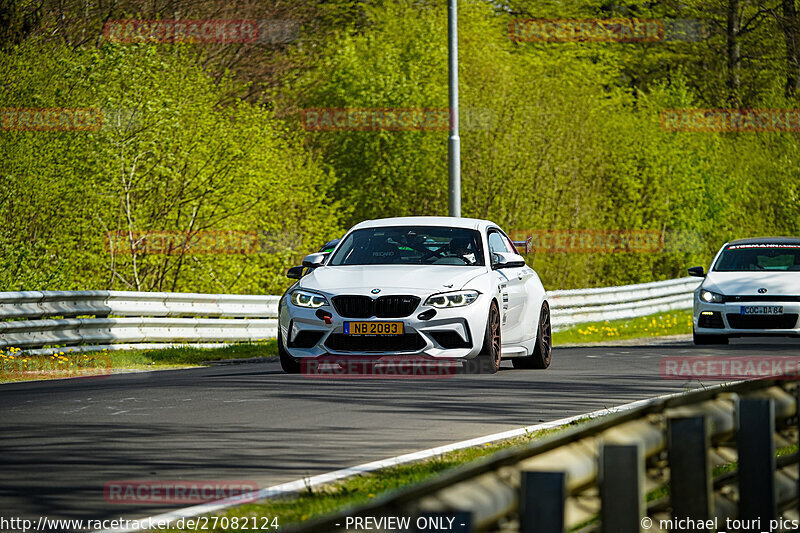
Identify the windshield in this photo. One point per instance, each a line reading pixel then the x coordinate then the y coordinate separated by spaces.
pixel 754 257
pixel 410 245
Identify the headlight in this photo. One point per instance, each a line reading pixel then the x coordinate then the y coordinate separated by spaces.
pixel 711 297
pixel 308 299
pixel 452 299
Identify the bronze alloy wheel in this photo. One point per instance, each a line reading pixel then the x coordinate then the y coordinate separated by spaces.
pixel 494 332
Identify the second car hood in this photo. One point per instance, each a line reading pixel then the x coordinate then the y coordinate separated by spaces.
pixel 748 283
pixel 362 279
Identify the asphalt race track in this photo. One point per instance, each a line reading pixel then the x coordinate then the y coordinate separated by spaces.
pixel 63 440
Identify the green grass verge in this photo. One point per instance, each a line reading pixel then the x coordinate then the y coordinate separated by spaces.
pixel 318 501
pixel 16 366
pixel 672 323
pixel 184 355
pixel 718 470
pixel 664 491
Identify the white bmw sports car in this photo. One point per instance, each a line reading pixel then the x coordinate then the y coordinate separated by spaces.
pixel 430 287
pixel 751 289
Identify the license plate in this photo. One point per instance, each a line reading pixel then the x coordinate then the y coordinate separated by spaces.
pixel 373 328
pixel 762 309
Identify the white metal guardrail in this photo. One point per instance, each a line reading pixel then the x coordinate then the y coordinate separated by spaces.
pixel 612 303
pixel 41 304
pixel 705 455
pixel 118 319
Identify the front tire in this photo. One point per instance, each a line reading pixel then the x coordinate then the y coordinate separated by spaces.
pixel 289 364
pixel 488 360
pixel 543 350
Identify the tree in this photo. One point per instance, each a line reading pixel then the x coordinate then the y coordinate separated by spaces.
pixel 175 160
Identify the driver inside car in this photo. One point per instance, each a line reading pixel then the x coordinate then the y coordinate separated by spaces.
pixel 461 248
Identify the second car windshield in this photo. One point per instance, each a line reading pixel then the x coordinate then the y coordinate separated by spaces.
pixel 410 245
pixel 755 257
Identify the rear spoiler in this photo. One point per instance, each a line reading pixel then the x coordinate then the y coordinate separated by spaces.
pixel 523 245
pixel 330 245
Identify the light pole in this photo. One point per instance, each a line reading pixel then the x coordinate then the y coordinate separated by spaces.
pixel 454 142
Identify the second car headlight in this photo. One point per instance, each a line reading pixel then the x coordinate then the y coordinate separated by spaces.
pixel 452 299
pixel 711 297
pixel 308 299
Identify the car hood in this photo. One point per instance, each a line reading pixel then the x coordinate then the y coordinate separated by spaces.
pixel 748 283
pixel 390 278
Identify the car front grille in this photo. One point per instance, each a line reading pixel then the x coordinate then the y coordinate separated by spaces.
pixel 408 342
pixel 787 321
pixel 353 306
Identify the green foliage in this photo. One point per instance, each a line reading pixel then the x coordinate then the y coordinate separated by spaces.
pixel 553 136
pixel 17 20
pixel 574 140
pixel 168 158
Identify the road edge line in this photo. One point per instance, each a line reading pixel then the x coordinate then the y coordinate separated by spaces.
pixel 299 485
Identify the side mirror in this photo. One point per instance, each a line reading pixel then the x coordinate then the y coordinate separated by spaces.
pixel 314 260
pixel 507 260
pixel 697 272
pixel 295 272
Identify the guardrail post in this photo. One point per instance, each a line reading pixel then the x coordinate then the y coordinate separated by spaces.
pixel 689 470
pixel 621 488
pixel 541 502
pixel 756 443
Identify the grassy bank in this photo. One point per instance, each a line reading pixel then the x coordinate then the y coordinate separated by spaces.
pixel 661 324
pixel 15 365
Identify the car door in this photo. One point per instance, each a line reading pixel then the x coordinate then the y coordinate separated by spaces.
pixel 513 293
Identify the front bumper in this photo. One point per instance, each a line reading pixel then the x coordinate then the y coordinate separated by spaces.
pixel 727 319
pixel 454 333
